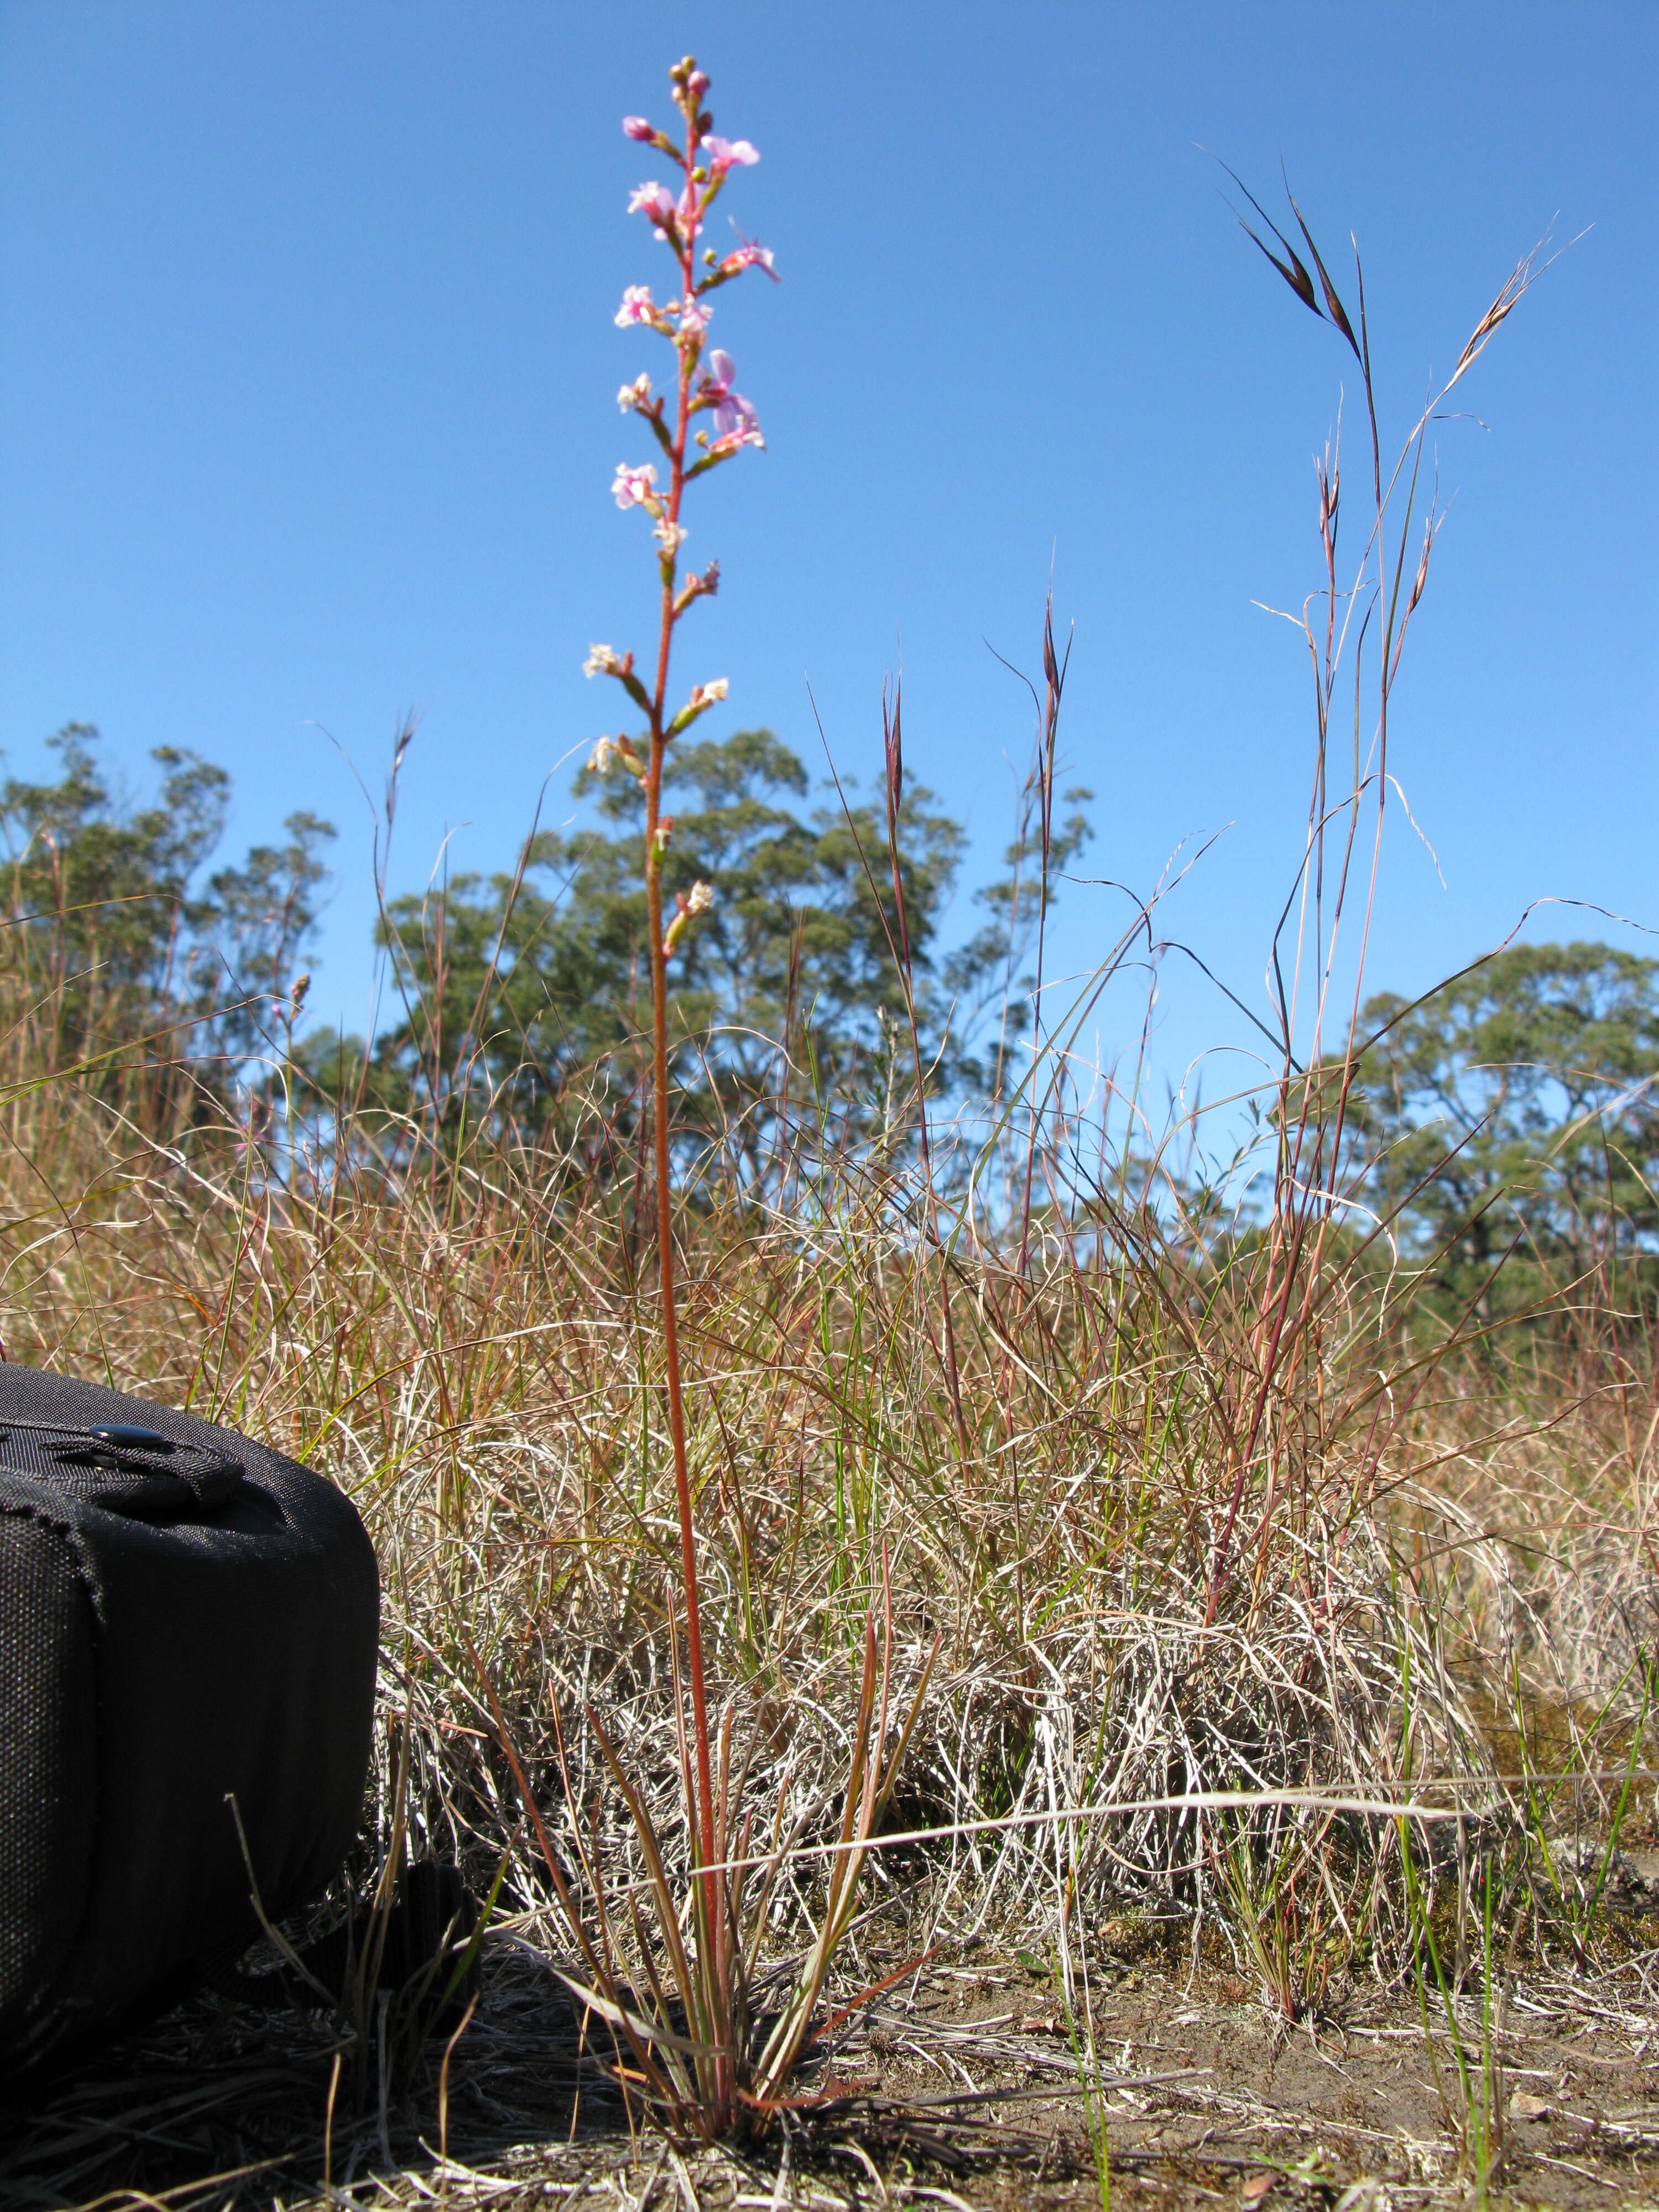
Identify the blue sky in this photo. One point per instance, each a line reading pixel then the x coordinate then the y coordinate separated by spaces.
pixel 306 416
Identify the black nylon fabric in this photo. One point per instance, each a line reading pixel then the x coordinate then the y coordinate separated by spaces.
pixel 48 1756
pixel 175 1625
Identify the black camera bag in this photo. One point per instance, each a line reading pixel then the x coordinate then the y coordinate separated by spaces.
pixel 184 1616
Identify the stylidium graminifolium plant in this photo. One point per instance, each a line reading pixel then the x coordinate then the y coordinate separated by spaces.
pixel 704 422
pixel 703 2057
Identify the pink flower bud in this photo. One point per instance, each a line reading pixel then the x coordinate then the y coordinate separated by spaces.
pixel 637 126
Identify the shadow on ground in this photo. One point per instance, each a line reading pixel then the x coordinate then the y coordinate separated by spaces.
pixel 964 2088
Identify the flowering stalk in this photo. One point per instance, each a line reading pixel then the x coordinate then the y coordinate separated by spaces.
pixel 703 385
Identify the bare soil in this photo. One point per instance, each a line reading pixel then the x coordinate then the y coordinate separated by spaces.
pixel 962 2087
pixel 1210 2095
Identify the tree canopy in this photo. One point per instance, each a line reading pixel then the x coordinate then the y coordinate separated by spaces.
pixel 512 987
pixel 1507 1125
pixel 1518 1106
pixel 115 938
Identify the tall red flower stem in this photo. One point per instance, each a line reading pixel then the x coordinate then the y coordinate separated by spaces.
pixel 704 161
pixel 653 858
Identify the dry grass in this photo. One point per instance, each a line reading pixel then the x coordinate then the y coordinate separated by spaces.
pixel 472 1359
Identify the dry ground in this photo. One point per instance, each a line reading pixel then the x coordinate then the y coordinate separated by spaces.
pixel 960 2087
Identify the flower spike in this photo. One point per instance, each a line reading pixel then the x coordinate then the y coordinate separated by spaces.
pixel 702 384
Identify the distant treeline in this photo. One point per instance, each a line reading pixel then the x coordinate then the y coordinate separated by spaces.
pixel 1505 1127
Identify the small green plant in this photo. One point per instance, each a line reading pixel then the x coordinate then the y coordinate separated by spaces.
pixel 1080 2026
pixel 1577 1902
pixel 1282 1907
pixel 1476 2116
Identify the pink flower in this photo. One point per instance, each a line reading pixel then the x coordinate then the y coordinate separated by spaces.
pixel 686 214
pixel 637 126
pixel 656 201
pixel 728 153
pixel 732 412
pixel 633 487
pixel 748 255
pixel 637 307
pixel 694 318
